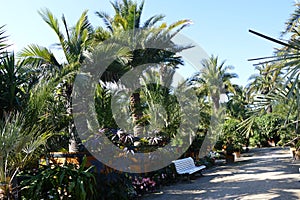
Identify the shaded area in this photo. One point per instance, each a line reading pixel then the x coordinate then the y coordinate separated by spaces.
pixel 265 173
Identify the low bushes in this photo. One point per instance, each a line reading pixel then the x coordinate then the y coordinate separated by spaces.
pixel 68 181
pixel 71 181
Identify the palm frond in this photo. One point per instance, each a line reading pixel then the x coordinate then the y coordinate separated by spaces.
pixel 153 20
pixel 293 21
pixel 180 24
pixel 52 21
pixel 36 55
pixel 3 40
pixel 83 24
pixel 106 20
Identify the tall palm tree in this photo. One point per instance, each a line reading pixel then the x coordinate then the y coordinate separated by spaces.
pixel 60 74
pixel 214 80
pixel 127 18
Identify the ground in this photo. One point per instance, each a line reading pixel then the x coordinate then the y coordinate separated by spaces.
pixel 263 173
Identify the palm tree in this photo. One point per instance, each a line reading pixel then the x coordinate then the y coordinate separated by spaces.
pixel 285 61
pixel 214 80
pixel 60 75
pixel 16 82
pixel 127 18
pixel 264 82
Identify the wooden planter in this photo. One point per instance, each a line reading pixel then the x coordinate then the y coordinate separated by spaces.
pixel 229 158
pixel 76 158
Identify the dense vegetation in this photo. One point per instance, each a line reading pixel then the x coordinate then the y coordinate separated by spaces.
pixel 36 114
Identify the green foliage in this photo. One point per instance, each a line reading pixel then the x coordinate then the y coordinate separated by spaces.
pixel 19 147
pixel 162 109
pixel 45 112
pixel 114 185
pixel 213 80
pixel 278 81
pixel 3 40
pixel 59 182
pixel 268 126
pixel 103 107
pixel 16 80
pixel 232 132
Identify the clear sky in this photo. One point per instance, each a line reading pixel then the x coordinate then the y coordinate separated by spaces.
pixel 219 27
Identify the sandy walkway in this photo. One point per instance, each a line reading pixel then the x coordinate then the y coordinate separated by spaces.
pixel 266 173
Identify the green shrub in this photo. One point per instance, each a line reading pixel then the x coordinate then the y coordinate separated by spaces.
pixel 59 182
pixel 114 185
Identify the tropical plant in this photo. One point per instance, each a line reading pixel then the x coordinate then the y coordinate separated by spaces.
pixel 264 82
pixel 238 104
pixel 16 81
pixel 60 75
pixel 268 128
pixel 231 132
pixel 19 145
pixel 59 182
pixel 284 87
pixel 210 83
pixel 214 80
pixel 3 40
pixel 127 18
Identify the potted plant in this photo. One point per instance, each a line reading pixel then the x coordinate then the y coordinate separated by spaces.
pixel 229 149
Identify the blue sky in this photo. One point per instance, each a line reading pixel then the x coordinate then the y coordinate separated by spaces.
pixel 219 27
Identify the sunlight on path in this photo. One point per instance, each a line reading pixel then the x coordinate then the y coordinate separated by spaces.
pixel 266 173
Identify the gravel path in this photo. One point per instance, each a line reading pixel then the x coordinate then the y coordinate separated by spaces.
pixel 265 173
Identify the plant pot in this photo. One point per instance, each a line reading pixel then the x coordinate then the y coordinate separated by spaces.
pixel 297 155
pixel 229 158
pixel 293 152
pixel 237 154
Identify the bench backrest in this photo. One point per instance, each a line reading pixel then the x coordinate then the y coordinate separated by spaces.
pixel 184 164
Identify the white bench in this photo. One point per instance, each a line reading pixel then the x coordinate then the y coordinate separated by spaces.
pixel 186 166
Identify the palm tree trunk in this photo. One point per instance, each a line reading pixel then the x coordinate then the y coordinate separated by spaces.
pixel 137 114
pixel 74 140
pixel 73 144
pixel 216 102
